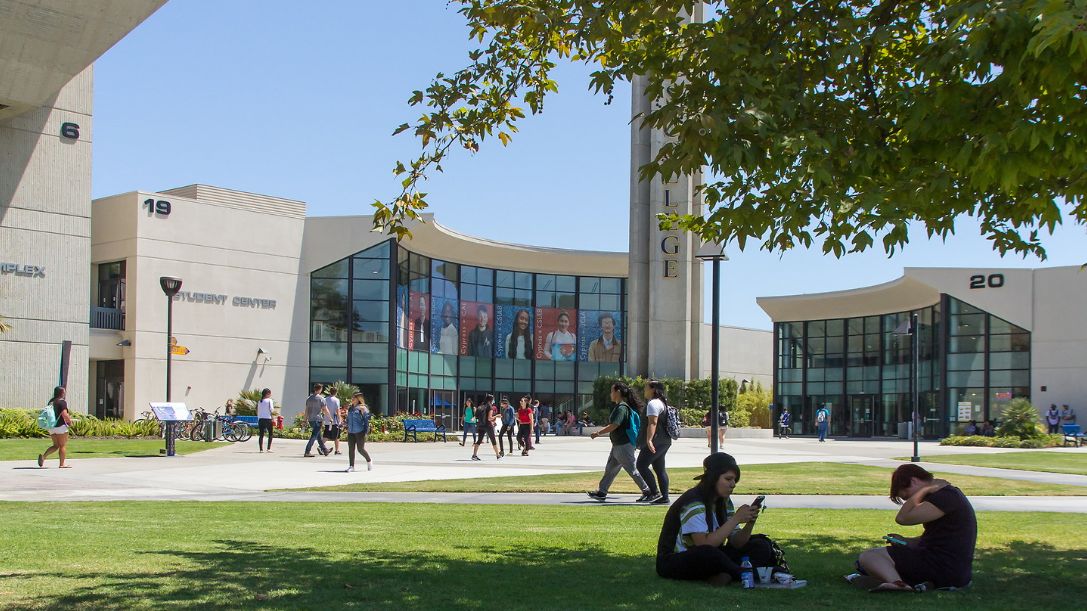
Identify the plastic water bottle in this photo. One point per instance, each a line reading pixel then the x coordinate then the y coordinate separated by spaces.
pixel 747 574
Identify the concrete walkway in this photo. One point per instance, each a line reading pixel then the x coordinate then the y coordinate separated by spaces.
pixel 239 472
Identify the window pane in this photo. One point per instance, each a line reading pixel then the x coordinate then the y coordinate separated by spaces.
pixel 968 344
pixel 328 354
pixel 610 285
pixel 485 276
pixel 370 332
pixel 590 302
pixel 334 270
pixel 371 311
pixel 504 279
pixel 590 285
pixel 371 269
pixel 1009 360
pixel 1016 342
pixel 523 280
pixel 609 302
pixel 369 355
pixel 371 289
pixel 566 283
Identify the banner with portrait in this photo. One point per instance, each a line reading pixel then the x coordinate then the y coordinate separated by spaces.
pixel 513 326
pixel 444 325
pixel 402 317
pixel 556 334
pixel 476 329
pixel 419 321
pixel 600 336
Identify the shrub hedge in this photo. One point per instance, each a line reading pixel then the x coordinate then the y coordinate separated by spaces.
pixel 23 423
pixel 1045 441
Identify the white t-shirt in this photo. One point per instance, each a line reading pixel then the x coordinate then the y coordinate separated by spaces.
pixel 333 405
pixel 264 408
pixel 655 407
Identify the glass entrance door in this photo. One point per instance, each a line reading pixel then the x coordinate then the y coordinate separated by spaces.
pixel 861 415
pixel 109 389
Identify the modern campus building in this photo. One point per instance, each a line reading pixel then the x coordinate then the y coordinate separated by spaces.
pixel 985 336
pixel 271 298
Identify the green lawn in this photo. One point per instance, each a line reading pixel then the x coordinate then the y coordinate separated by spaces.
pixel 1051 462
pixel 792 478
pixel 414 556
pixel 28 449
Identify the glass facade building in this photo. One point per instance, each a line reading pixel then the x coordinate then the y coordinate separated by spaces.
pixel 970 365
pixel 420 335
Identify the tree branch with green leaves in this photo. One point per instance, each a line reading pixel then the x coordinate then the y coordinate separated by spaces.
pixel 834 124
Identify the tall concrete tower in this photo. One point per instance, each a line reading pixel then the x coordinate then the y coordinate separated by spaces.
pixel 664 304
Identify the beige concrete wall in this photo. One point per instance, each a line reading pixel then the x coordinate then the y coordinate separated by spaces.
pixel 231 252
pixel 1059 339
pixel 45 221
pixel 745 354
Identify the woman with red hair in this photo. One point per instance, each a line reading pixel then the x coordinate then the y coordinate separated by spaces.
pixel 942 556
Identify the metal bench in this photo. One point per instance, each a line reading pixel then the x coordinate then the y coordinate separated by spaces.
pixel 1073 433
pixel 414 427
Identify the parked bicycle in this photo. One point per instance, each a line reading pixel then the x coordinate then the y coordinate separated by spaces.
pixel 214 427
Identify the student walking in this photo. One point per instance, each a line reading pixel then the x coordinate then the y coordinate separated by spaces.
pixel 315 413
pixel 654 444
pixel 357 421
pixel 509 419
pixel 525 420
pixel 486 416
pixel 622 430
pixel 59 432
pixel 784 422
pixel 822 422
pixel 333 420
pixel 264 418
pixel 536 419
pixel 469 422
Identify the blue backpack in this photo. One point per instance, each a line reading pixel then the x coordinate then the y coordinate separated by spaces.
pixel 635 424
pixel 47 418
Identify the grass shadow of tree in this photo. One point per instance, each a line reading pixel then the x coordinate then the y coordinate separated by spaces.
pixel 235 573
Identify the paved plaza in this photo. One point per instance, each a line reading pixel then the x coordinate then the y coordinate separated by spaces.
pixel 240 472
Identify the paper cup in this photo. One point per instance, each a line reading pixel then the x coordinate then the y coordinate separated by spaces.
pixel 764 573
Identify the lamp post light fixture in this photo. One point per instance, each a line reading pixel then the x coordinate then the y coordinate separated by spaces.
pixel 715 253
pixel 170 287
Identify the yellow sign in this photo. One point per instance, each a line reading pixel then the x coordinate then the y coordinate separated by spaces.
pixel 179 350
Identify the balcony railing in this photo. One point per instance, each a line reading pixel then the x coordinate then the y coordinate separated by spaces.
pixel 107 318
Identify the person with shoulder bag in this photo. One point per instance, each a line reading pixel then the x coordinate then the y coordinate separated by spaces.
pixel 622 430
pixel 705 538
pixel 57 407
pixel 654 444
pixel 469 422
pixel 357 420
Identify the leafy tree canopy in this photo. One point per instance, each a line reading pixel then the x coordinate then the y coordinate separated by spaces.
pixel 829 122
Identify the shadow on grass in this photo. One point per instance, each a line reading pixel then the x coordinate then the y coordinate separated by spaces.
pixel 233 573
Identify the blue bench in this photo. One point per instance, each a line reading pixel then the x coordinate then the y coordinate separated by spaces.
pixel 1073 433
pixel 414 427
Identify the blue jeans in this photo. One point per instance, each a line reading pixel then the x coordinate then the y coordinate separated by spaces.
pixel 537 427
pixel 822 431
pixel 469 427
pixel 315 435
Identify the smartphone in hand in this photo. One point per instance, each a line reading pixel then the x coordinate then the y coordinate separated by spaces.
pixel 894 540
pixel 758 501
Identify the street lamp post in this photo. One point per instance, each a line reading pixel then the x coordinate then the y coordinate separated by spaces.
pixel 916 394
pixel 170 286
pixel 714 253
pixel 915 377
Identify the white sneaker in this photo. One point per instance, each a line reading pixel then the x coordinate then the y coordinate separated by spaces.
pixel 349 470
pixel 370 466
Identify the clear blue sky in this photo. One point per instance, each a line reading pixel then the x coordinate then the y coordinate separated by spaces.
pixel 298 99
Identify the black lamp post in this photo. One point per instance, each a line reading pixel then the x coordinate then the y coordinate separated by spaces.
pixel 170 286
pixel 915 376
pixel 714 253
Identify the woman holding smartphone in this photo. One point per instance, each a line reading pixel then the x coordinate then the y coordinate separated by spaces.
pixel 942 556
pixel 704 536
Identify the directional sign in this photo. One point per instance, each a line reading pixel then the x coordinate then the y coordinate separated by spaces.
pixel 179 350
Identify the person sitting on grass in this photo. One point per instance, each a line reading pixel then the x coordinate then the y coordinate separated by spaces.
pixel 942 556
pixel 702 537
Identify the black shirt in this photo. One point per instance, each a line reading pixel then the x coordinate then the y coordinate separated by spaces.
pixel 59 407
pixel 949 542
